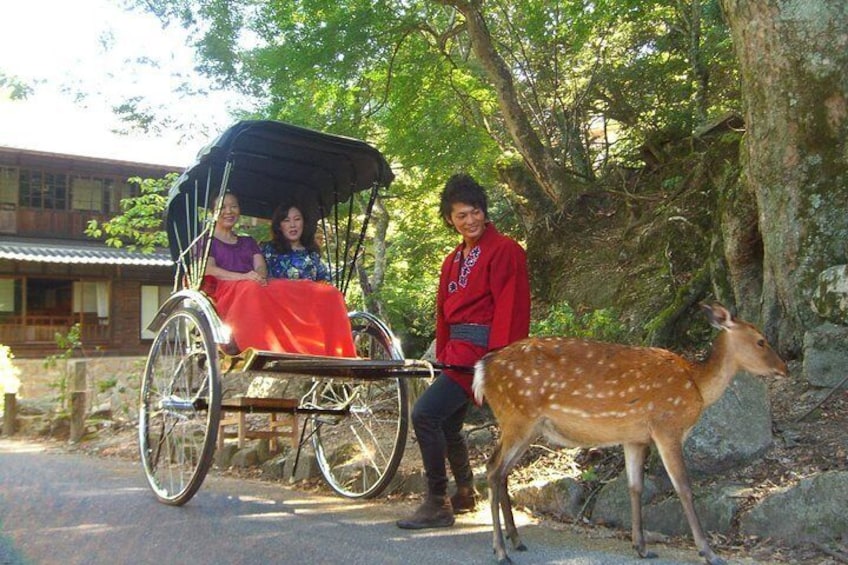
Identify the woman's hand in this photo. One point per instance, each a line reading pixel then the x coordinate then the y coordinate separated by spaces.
pixel 256 277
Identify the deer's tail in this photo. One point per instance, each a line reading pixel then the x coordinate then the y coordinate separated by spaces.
pixel 479 384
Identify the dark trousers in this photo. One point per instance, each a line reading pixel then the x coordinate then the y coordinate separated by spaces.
pixel 437 418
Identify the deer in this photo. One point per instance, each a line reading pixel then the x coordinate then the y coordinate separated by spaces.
pixel 584 393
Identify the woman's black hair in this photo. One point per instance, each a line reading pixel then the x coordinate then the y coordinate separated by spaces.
pixel 462 188
pixel 307 238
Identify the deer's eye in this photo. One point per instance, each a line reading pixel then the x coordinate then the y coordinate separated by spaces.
pixel 761 342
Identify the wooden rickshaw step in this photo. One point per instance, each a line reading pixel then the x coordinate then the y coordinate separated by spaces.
pixel 256 404
pixel 238 406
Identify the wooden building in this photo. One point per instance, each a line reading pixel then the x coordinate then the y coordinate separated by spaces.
pixel 53 276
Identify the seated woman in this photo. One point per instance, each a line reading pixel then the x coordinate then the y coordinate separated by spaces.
pixel 293 251
pixel 271 315
pixel 233 257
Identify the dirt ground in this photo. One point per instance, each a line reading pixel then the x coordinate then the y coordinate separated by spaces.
pixel 810 437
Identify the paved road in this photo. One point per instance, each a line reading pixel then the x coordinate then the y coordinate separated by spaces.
pixel 64 508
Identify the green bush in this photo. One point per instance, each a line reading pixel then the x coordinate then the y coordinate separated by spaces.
pixel 107 384
pixel 69 343
pixel 563 320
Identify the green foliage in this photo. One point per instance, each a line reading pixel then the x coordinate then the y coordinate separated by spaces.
pixel 107 384
pixel 671 183
pixel 69 343
pixel 14 87
pixel 589 475
pixel 406 74
pixel 417 242
pixel 563 320
pixel 140 223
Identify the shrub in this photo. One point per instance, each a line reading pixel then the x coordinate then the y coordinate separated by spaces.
pixel 563 320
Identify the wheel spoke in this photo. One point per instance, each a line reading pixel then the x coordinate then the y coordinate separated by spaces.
pixel 180 407
pixel 358 452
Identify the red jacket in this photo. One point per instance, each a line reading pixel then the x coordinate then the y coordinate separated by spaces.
pixel 490 287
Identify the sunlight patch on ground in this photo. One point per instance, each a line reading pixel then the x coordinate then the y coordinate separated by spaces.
pixel 479 521
pixel 323 507
pixel 256 500
pixel 7 446
pixel 266 516
pixel 82 529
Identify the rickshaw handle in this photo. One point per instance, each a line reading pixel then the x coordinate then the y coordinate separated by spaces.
pixel 460 368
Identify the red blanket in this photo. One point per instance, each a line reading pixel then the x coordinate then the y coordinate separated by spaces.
pixel 287 316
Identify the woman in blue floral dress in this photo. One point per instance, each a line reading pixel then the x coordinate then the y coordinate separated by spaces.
pixel 293 250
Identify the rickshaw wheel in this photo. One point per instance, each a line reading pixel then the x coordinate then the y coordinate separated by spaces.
pixel 358 451
pixel 180 407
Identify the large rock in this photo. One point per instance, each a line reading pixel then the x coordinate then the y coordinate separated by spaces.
pixel 612 504
pixel 662 511
pixel 814 510
pixel 282 466
pixel 252 454
pixel 716 508
pixel 267 386
pixel 561 497
pixel 830 297
pixel 733 431
pixel 825 355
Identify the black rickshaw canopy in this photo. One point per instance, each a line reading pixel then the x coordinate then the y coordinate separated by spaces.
pixel 273 160
pixel 266 162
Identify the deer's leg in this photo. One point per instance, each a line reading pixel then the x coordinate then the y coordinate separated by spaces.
pixel 509 521
pixel 634 463
pixel 494 473
pixel 671 452
pixel 512 445
pixel 522 436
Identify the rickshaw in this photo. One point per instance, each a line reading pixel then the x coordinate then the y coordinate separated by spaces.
pixel 354 411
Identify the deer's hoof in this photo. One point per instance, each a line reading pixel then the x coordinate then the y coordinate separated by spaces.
pixel 521 547
pixel 713 559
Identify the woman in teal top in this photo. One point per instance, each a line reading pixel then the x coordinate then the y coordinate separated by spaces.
pixel 293 251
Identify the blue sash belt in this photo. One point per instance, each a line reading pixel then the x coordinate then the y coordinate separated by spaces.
pixel 478 334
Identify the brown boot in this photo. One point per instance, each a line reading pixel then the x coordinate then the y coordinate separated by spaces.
pixel 465 499
pixel 435 512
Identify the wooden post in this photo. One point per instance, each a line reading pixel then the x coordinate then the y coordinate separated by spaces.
pixel 78 396
pixel 10 412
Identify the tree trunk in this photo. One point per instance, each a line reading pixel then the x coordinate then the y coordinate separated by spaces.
pixel 743 246
pixel 793 58
pixel 371 285
pixel 691 15
pixel 538 158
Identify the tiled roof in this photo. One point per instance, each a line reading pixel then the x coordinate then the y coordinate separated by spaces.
pixel 83 253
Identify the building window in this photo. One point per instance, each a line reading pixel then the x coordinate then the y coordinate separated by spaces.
pixel 10 297
pixel 91 299
pixel 49 298
pixel 99 194
pixel 11 307
pixel 8 185
pixel 48 191
pixel 90 194
pixel 152 297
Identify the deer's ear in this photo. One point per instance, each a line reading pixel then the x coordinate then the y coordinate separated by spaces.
pixel 718 316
